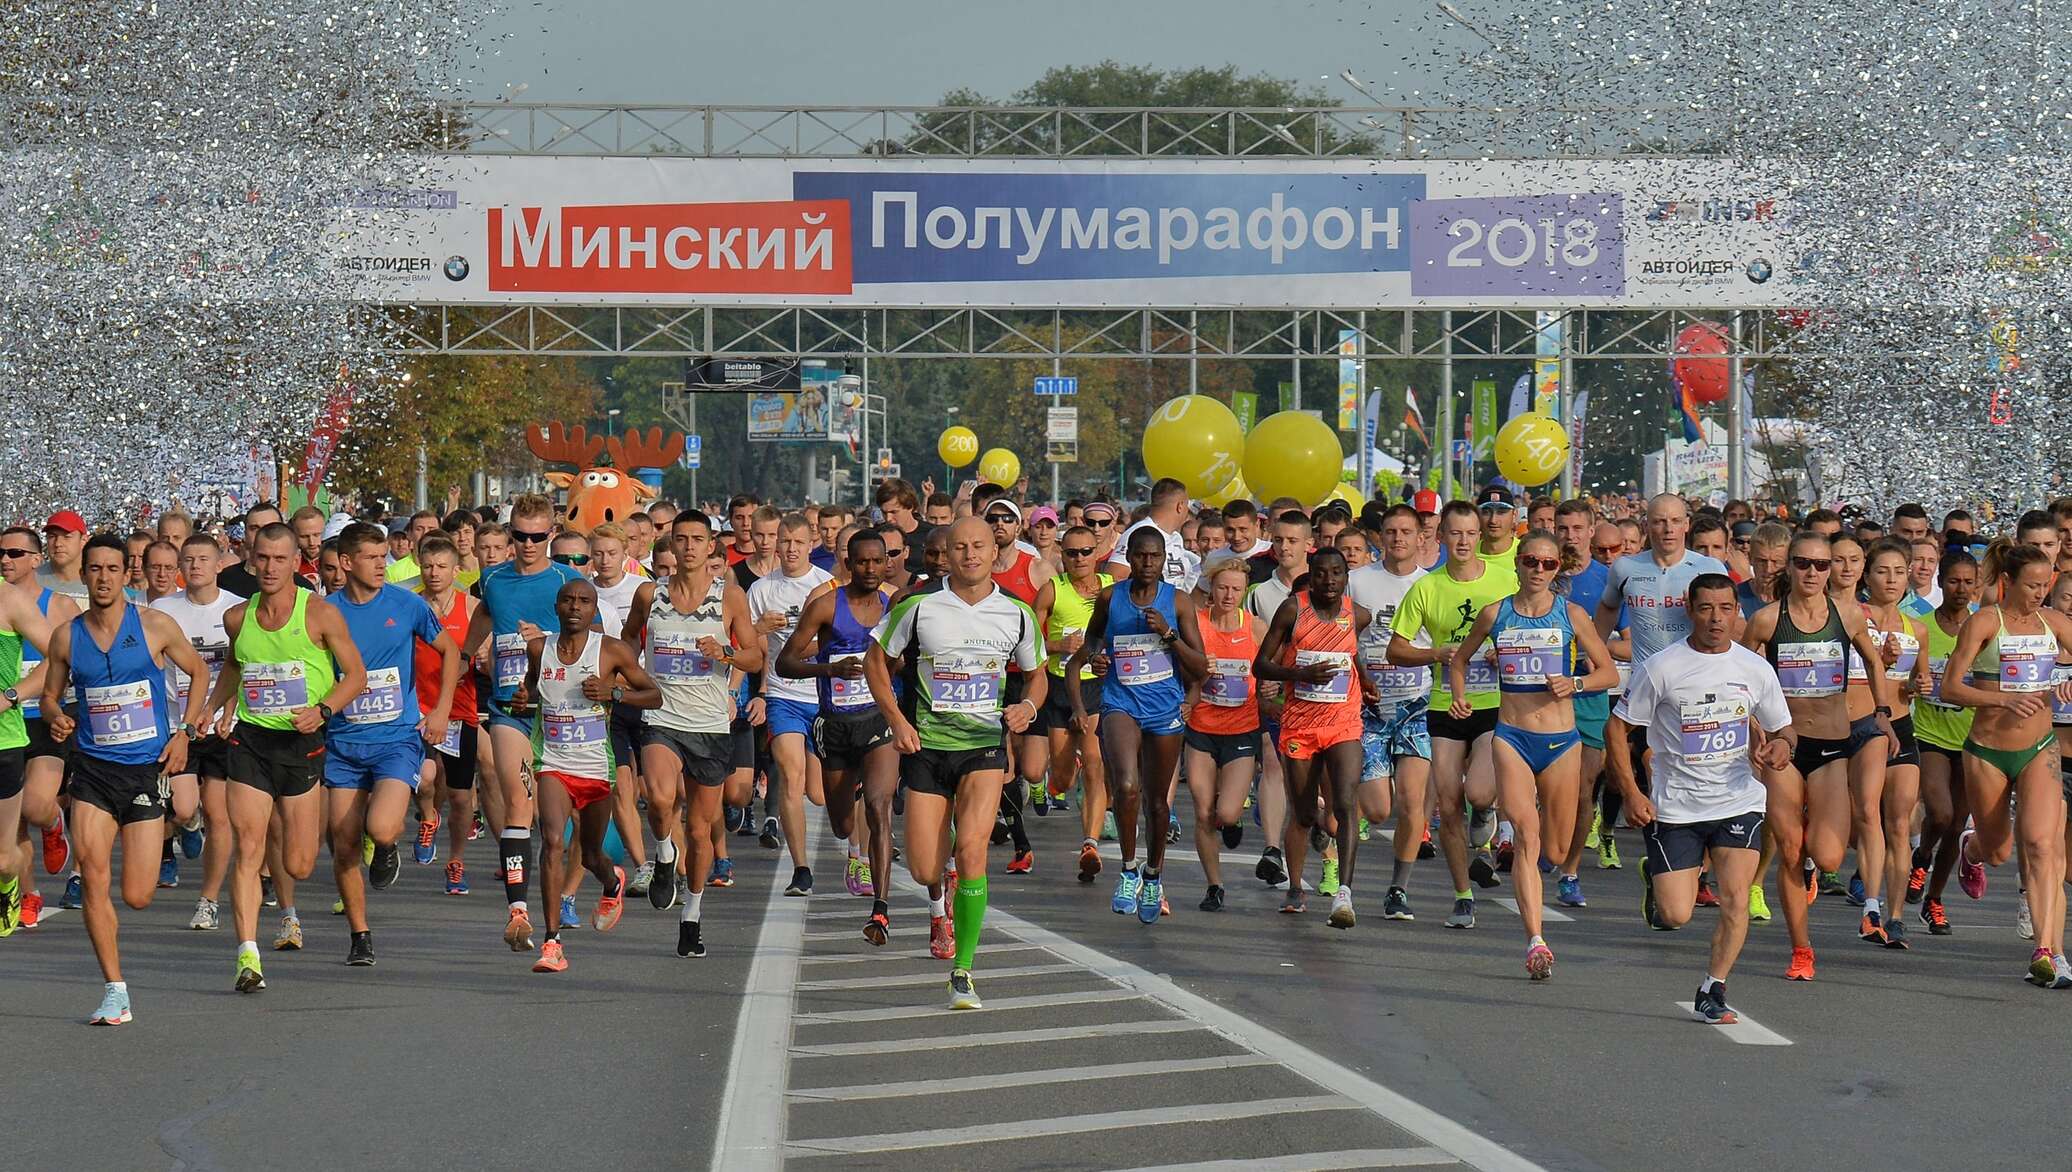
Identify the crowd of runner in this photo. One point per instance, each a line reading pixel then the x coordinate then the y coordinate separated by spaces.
pixel 1750 701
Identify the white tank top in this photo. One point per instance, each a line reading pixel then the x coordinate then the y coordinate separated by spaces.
pixel 694 687
pixel 571 734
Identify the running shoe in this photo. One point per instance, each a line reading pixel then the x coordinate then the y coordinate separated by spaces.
pixel 1127 888
pixel 849 879
pixel 456 878
pixel 1937 919
pixel 1707 897
pixel 1712 1005
pixel 768 838
pixel 426 852
pixel 1060 802
pixel 1463 914
pixel 268 897
pixel 1505 855
pixel 551 960
pixel 1590 838
pixel 1150 901
pixel 1831 883
pixel 360 953
pixel 1896 933
pixel 1089 862
pixel 475 828
pixel 191 838
pixel 1342 909
pixel 1425 847
pixel 518 931
pixel 338 906
pixel 643 878
pixel 661 890
pixel 2024 923
pixel 1297 901
pixel 1647 897
pixel 1481 827
pixel 1396 905
pixel 1482 869
pixel 114 1010
pixel 1872 929
pixel 877 929
pixel 1233 836
pixel 387 864
pixel 205 917
pixel 1318 840
pixel 32 909
pixel 722 875
pixel 72 897
pixel 289 938
pixel 569 918
pixel 801 881
pixel 949 875
pixel 1917 883
pixel 1971 877
pixel 1855 892
pixel 1758 907
pixel 1801 967
pixel 1271 870
pixel 1364 828
pixel 2043 971
pixel 56 851
pixel 963 994
pixel 610 907
pixel 366 850
pixel 942 938
pixel 1039 801
pixel 10 911
pixel 1329 884
pixel 1213 901
pixel 1022 863
pixel 1568 891
pixel 1539 962
pixel 1108 826
pixel 1608 851
pixel 690 942
pixel 2063 971
pixel 1811 876
pixel 169 872
pixel 250 977
pixel 734 816
pixel 1172 827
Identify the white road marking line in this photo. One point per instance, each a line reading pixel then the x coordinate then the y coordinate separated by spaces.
pixel 1745 1031
pixel 900 1141
pixel 1546 913
pixel 993 1005
pixel 857 935
pixel 1030 1078
pixel 907 954
pixel 752 1105
pixel 933 977
pixel 1171 1025
pixel 1318 1161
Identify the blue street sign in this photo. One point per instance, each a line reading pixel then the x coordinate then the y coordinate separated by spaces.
pixel 1460 449
pixel 1057 384
pixel 693 451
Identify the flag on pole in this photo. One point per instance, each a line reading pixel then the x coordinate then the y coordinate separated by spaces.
pixel 1414 418
pixel 1686 407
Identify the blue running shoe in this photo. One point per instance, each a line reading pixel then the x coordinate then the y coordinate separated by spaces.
pixel 1127 885
pixel 114 1010
pixel 722 873
pixel 1149 897
pixel 169 873
pixel 1568 891
pixel 190 840
pixel 569 918
pixel 1855 894
pixel 1172 828
pixel 72 897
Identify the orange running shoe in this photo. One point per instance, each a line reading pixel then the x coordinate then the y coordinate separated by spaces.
pixel 878 928
pixel 1023 863
pixel 1089 862
pixel 551 960
pixel 56 851
pixel 942 938
pixel 610 907
pixel 1801 968
pixel 518 931
pixel 1812 884
pixel 32 908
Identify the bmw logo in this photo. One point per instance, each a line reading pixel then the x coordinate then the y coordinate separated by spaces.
pixel 1758 269
pixel 457 268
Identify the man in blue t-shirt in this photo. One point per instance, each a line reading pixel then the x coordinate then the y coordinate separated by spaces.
pixel 1653 583
pixel 1575 524
pixel 374 746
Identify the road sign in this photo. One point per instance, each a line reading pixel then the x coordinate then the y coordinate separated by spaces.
pixel 884 455
pixel 693 451
pixel 1460 449
pixel 1057 384
pixel 884 472
pixel 1061 435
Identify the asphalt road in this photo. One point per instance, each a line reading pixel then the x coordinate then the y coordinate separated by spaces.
pixel 1238 1037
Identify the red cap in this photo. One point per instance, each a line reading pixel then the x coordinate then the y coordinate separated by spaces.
pixel 1426 501
pixel 67 521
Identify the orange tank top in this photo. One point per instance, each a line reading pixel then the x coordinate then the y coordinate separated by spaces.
pixel 1321 638
pixel 1229 702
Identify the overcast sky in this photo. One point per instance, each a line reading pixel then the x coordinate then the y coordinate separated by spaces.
pixel 910 52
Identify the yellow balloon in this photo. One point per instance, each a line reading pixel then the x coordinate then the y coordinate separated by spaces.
pixel 1293 455
pixel 1235 490
pixel 1531 449
pixel 1195 440
pixel 999 466
pixel 957 446
pixel 1348 494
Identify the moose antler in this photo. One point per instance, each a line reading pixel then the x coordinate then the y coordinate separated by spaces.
pixel 634 450
pixel 559 444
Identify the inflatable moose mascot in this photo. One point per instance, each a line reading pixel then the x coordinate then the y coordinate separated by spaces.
pixel 601 490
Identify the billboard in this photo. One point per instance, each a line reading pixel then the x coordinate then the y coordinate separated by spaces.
pixel 1262 233
pixel 822 410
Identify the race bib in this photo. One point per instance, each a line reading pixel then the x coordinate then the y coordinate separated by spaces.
pixel 1528 655
pixel 1937 665
pixel 212 659
pixel 965 683
pixel 2027 662
pixel 382 700
pixel 1625 677
pixel 274 689
pixel 849 695
pixel 120 714
pixel 1909 655
pixel 509 650
pixel 451 745
pixel 2060 710
pixel 1334 690
pixel 573 727
pixel 1481 675
pixel 1398 684
pixel 1810 669
pixel 1141 659
pixel 676 658
pixel 1714 733
pixel 1229 684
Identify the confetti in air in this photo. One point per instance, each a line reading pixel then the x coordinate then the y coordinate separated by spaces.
pixel 170 175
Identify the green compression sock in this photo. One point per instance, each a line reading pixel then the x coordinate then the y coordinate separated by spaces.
pixel 970 913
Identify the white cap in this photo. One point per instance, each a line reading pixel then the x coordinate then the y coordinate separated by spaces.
pixel 336 525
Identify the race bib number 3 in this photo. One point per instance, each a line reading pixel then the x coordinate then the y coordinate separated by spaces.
pixel 1141 659
pixel 274 689
pixel 1714 733
pixel 1335 690
pixel 1526 656
pixel 120 714
pixel 2027 662
pixel 381 702
pixel 1229 684
pixel 1810 669
pixel 965 683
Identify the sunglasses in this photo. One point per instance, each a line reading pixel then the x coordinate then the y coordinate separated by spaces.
pixel 1084 552
pixel 1102 523
pixel 1606 548
pixel 573 559
pixel 530 538
pixel 1533 563
pixel 1820 564
pixel 999 518
pixel 15 553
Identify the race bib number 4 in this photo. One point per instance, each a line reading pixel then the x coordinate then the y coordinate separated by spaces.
pixel 274 689
pixel 1334 690
pixel 1526 656
pixel 381 702
pixel 1229 684
pixel 965 683
pixel 120 714
pixel 1714 733
pixel 1141 659
pixel 1810 669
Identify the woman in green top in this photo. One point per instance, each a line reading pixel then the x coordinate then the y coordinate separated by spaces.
pixel 20 622
pixel 1940 729
pixel 1064 605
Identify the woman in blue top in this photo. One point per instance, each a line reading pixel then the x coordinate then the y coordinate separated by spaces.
pixel 1540 637
pixel 1146 632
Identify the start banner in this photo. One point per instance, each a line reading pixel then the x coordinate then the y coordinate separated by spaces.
pixel 1265 233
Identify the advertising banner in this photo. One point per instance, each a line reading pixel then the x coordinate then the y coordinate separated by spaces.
pixel 1250 233
pixel 1546 364
pixel 818 412
pixel 1484 433
pixel 1245 405
pixel 1061 435
pixel 1350 370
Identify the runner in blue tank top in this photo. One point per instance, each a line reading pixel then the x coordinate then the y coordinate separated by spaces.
pixel 375 745
pixel 127 741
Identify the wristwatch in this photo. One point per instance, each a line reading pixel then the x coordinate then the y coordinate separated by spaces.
pixel 187 729
pixel 618 694
pixel 1883 710
pixel 13 698
pixel 324 710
